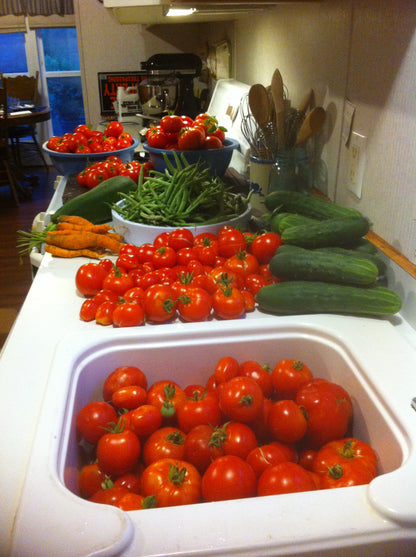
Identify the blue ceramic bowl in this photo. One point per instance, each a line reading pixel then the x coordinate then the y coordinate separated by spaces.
pixel 73 163
pixel 217 160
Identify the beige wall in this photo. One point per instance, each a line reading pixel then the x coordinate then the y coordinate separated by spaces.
pixel 361 50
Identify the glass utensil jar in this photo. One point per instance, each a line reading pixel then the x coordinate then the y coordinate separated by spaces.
pixel 283 172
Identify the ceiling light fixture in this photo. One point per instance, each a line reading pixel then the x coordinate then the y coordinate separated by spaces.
pixel 179 12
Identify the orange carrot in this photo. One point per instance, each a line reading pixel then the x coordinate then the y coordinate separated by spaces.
pixel 115 236
pixel 96 228
pixel 82 240
pixel 74 219
pixel 67 253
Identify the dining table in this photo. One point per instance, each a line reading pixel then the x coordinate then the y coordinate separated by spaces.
pixel 26 115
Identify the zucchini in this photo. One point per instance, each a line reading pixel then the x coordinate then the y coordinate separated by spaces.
pixel 339 231
pixel 326 266
pixel 307 205
pixel 95 204
pixel 280 221
pixel 301 297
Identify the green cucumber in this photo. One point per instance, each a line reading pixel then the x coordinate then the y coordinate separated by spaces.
pixel 301 297
pixel 364 245
pixel 380 264
pixel 339 231
pixel 320 265
pixel 95 204
pixel 280 221
pixel 307 205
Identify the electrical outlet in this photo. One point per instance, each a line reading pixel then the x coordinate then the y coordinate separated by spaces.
pixel 356 164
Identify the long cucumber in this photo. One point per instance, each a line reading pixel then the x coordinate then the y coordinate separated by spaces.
pixel 338 231
pixel 301 297
pixel 308 205
pixel 320 265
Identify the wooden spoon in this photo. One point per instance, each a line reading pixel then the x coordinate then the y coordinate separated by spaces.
pixel 259 104
pixel 311 125
pixel 278 99
pixel 305 103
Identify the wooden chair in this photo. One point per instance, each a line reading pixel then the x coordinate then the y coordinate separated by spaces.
pixel 25 89
pixel 7 177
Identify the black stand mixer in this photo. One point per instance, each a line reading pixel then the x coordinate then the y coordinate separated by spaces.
pixel 169 85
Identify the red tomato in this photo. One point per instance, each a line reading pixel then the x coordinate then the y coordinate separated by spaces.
pixel 145 419
pixel 262 457
pixel 249 301
pixel 180 238
pixel 171 123
pixel 130 481
pixel 329 411
pixel 126 136
pixel 135 294
pixel 90 479
pixel 264 246
pixel 129 397
pixel 157 138
pixel 130 169
pixel 89 278
pixel 164 256
pixel 118 281
pixel 159 304
pixel 345 462
pixel 226 368
pixel 93 418
pixel 236 439
pixel 128 314
pixel 212 142
pixel 118 451
pixel 104 313
pixel 228 303
pixel 243 263
pixel 172 482
pixel 241 399
pixel 105 296
pixel 167 396
pixel 306 458
pixel 165 442
pixel 123 376
pixel 206 251
pixel 53 142
pixel 110 496
pixel 135 502
pixel 190 139
pixel 127 261
pixel 228 477
pixel 195 304
pixel 284 477
pixel 83 128
pixel 88 310
pixel 198 410
pixel 199 448
pixel 288 376
pixel 123 143
pixel 185 255
pixel 113 129
pixel 230 242
pixel 259 373
pixel 287 422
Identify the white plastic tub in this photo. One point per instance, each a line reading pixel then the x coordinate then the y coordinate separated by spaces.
pixel 375 520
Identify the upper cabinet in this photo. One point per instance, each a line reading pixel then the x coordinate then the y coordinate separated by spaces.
pixel 151 12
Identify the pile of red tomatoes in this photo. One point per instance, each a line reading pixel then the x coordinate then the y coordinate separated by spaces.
pixel 84 140
pixel 252 429
pixel 99 171
pixel 186 134
pixel 179 275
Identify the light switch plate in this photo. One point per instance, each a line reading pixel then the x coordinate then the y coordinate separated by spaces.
pixel 356 164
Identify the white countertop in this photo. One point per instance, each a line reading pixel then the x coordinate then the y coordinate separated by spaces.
pixel 51 312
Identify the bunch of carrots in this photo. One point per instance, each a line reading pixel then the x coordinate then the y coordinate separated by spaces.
pixel 72 236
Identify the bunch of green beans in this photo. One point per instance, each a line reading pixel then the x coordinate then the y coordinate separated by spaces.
pixel 184 195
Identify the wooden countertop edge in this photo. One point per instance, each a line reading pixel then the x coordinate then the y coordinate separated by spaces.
pixel 392 253
pixel 383 246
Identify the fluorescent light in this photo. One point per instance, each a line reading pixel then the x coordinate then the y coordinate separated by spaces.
pixel 175 12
